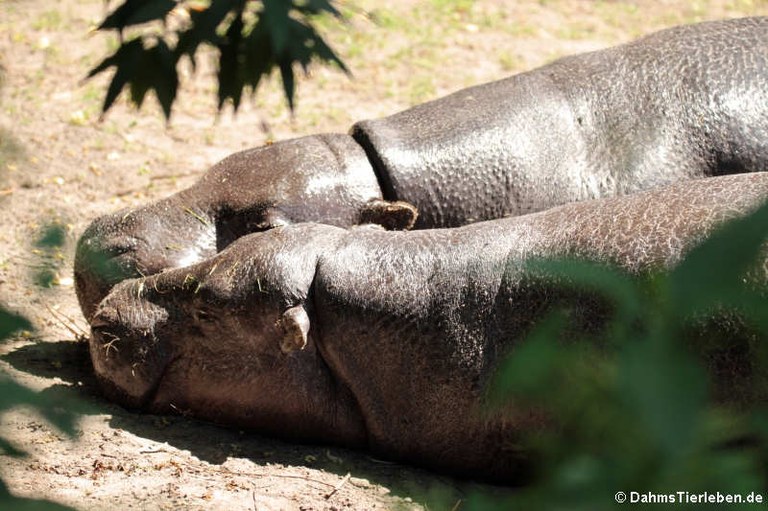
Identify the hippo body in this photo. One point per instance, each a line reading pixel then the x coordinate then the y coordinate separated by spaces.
pixel 685 102
pixel 378 339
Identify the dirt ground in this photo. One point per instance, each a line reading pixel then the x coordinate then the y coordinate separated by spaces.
pixel 59 164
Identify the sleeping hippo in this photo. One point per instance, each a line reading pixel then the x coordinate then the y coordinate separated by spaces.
pixel 379 339
pixel 686 102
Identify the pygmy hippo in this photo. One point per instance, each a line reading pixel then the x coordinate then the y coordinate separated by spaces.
pixel 685 102
pixel 378 339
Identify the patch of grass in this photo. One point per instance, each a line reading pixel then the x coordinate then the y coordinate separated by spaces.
pixel 421 89
pixel 48 21
pixel 621 16
pixel 144 169
pixel 453 6
pixel 389 20
pixel 743 5
pixel 511 62
pixel 577 30
pixel 515 28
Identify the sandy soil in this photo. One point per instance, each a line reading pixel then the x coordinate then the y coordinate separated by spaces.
pixel 58 164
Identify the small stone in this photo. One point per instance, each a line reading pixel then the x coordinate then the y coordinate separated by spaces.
pixel 359 482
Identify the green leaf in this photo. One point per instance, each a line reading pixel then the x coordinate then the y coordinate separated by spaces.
pixel 230 73
pixel 619 288
pixel 142 69
pixel 9 449
pixel 529 369
pixel 315 7
pixel 136 12
pixel 665 387
pixel 61 415
pixel 281 36
pixel 292 41
pixel 289 84
pixel 163 76
pixel 127 60
pixel 10 323
pixel 8 501
pixel 259 58
pixel 53 236
pixel 276 17
pixel 204 25
pixel 713 273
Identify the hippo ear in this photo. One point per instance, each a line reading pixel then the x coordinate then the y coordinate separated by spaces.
pixel 295 325
pixel 393 216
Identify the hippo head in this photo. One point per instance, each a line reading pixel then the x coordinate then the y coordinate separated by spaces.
pixel 128 356
pixel 135 243
pixel 322 178
pixel 228 340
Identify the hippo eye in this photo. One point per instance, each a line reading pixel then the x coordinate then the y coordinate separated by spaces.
pixel 270 218
pixel 271 221
pixel 261 226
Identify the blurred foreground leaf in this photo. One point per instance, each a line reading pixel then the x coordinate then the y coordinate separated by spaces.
pixel 714 273
pixel 62 414
pixel 630 405
pixel 10 323
pixel 8 501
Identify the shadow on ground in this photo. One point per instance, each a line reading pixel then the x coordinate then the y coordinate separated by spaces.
pixel 69 361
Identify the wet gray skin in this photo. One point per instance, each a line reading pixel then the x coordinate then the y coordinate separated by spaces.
pixel 378 339
pixel 686 102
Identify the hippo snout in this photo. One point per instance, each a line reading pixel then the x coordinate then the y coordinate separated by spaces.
pixel 131 244
pixel 128 351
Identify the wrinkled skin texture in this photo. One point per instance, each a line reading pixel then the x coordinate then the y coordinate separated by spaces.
pixel 321 177
pixel 379 339
pixel 686 102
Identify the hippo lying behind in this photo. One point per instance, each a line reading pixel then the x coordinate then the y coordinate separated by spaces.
pixel 691 101
pixel 377 339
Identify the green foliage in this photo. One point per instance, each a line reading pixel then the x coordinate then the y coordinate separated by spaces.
pixel 631 405
pixel 252 38
pixel 13 395
pixel 10 323
pixel 62 415
pixel 48 248
pixel 8 501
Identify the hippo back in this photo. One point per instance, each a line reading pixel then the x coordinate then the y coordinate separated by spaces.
pixel 416 322
pixel 685 102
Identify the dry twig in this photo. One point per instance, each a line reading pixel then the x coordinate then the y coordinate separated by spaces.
pixel 75 329
pixel 338 486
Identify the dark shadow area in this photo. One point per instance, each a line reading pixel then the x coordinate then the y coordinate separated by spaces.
pixel 70 362
pixel 67 360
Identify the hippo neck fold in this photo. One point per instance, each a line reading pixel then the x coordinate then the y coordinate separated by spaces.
pixel 468 157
